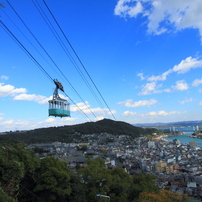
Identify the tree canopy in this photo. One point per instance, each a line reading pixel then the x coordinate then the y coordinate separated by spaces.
pixel 25 177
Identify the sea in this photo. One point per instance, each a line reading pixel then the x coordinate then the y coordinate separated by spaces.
pixel 184 139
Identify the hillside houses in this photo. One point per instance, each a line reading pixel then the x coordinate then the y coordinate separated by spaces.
pixel 177 167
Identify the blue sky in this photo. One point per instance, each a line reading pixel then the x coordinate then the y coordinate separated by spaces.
pixel 144 57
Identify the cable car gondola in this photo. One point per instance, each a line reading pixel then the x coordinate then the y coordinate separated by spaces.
pixel 58 107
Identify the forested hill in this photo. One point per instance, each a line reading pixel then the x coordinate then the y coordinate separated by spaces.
pixel 68 133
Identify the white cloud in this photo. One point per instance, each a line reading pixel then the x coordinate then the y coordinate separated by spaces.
pixel 197 82
pixel 128 103
pixel 128 113
pixel 56 121
pixel 70 119
pixel 79 106
pixel 181 85
pixel 99 118
pixel 29 97
pixel 8 122
pixel 150 88
pixel 161 77
pixel 44 100
pixel 32 97
pixel 163 113
pixel 187 64
pixel 3 77
pixel 163 16
pixel 167 90
pixel 86 108
pixel 20 94
pixel 141 76
pixel 129 8
pixel 21 123
pixel 50 120
pixel 6 90
pixel 12 124
pixel 183 67
pixel 185 101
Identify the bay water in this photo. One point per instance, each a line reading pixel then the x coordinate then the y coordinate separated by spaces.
pixel 184 139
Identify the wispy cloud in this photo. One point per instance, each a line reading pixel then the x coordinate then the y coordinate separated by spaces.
pixel 161 77
pixel 184 66
pixel 181 68
pixel 152 114
pixel 129 113
pixel 187 64
pixel 87 109
pixel 185 101
pixel 29 97
pixel 6 90
pixel 150 88
pixel 163 16
pixel 163 113
pixel 197 82
pixel 181 85
pixel 3 77
pixel 11 124
pixel 40 99
pixel 126 8
pixel 141 103
pixel 141 76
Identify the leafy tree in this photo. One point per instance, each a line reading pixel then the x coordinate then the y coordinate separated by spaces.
pixel 53 180
pixel 83 148
pixel 11 171
pixel 17 168
pixel 40 150
pixel 78 189
pixel 4 196
pixel 120 184
pixel 140 183
pixel 96 178
pixel 149 136
pixel 31 165
pixel 162 196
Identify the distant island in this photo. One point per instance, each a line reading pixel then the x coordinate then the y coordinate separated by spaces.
pixel 170 124
pixel 197 134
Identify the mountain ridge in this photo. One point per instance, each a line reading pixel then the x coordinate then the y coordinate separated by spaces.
pixel 69 133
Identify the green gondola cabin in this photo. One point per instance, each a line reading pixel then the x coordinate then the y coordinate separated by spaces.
pixel 58 107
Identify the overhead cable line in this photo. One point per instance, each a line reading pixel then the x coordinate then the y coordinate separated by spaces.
pixel 17 41
pixel 35 61
pixel 78 58
pixel 27 37
pixel 49 24
pixel 8 31
pixel 49 57
pixel 24 49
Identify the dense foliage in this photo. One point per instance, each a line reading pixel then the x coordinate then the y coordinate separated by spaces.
pixel 24 177
pixel 68 133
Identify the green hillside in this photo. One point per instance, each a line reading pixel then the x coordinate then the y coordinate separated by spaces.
pixel 68 133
